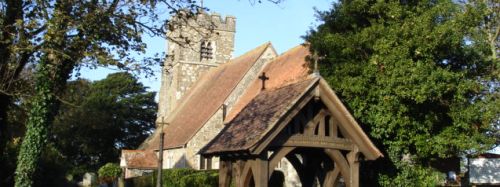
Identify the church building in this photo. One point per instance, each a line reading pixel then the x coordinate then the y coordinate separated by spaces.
pixel 218 111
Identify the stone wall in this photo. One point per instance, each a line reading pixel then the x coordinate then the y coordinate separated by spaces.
pixel 175 158
pixel 211 128
pixel 132 172
pixel 184 64
pixel 291 176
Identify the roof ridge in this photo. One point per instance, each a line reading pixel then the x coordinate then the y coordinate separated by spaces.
pixel 276 89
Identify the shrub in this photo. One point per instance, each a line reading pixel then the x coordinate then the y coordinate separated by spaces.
pixel 109 172
pixel 200 179
pixel 181 177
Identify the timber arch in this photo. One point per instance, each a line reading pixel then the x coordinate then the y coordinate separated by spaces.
pixel 304 123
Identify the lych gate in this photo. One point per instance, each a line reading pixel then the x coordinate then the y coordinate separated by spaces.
pixel 303 122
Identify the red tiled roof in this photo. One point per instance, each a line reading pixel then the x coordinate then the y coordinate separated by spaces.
pixel 287 68
pixel 288 75
pixel 145 159
pixel 204 99
pixel 252 123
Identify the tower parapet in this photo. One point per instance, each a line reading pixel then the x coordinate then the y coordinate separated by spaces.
pixel 224 24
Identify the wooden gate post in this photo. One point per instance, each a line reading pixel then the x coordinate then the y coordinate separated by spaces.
pixel 224 173
pixel 352 158
pixel 260 169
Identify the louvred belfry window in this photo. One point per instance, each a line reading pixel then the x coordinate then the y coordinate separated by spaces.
pixel 206 51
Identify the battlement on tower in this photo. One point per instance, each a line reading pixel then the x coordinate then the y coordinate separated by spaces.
pixel 208 21
pixel 227 23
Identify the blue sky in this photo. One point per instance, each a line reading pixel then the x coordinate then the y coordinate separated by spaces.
pixel 256 23
pixel 282 25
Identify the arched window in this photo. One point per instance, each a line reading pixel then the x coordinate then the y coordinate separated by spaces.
pixel 206 51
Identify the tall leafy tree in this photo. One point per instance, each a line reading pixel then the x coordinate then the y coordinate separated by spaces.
pixel 101 118
pixel 13 38
pixel 60 35
pixel 417 75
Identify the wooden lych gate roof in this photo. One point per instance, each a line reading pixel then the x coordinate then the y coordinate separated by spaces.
pixel 262 120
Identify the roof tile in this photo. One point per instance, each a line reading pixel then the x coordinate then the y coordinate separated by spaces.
pixel 257 118
pixel 145 159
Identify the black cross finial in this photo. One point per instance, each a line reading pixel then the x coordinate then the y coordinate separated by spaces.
pixel 264 78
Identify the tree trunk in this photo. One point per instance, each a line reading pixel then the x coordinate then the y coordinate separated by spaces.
pixel 50 77
pixel 13 12
pixel 4 103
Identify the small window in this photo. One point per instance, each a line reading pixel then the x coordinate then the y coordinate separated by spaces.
pixel 206 50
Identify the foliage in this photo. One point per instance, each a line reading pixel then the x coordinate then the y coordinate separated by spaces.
pixel 108 115
pixel 58 36
pixel 414 176
pixel 204 179
pixel 42 111
pixel 418 75
pixel 13 133
pixel 109 172
pixel 53 168
pixel 490 25
pixel 181 177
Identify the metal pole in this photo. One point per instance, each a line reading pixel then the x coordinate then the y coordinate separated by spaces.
pixel 160 157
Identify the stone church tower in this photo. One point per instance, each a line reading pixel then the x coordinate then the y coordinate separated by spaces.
pixel 196 43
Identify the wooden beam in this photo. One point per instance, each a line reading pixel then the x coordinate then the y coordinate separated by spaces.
pixel 224 173
pixel 281 124
pixel 311 125
pixel 340 162
pixel 321 125
pixel 246 174
pixel 316 142
pixel 334 128
pixel 340 112
pixel 331 178
pixel 276 158
pixel 260 169
pixel 352 158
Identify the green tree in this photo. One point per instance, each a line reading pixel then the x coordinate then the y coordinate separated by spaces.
pixel 417 75
pixel 12 62
pixel 60 35
pixel 490 26
pixel 101 118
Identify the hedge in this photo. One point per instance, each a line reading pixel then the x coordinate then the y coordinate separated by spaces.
pixel 178 178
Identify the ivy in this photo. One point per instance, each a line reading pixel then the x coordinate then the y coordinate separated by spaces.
pixel 40 116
